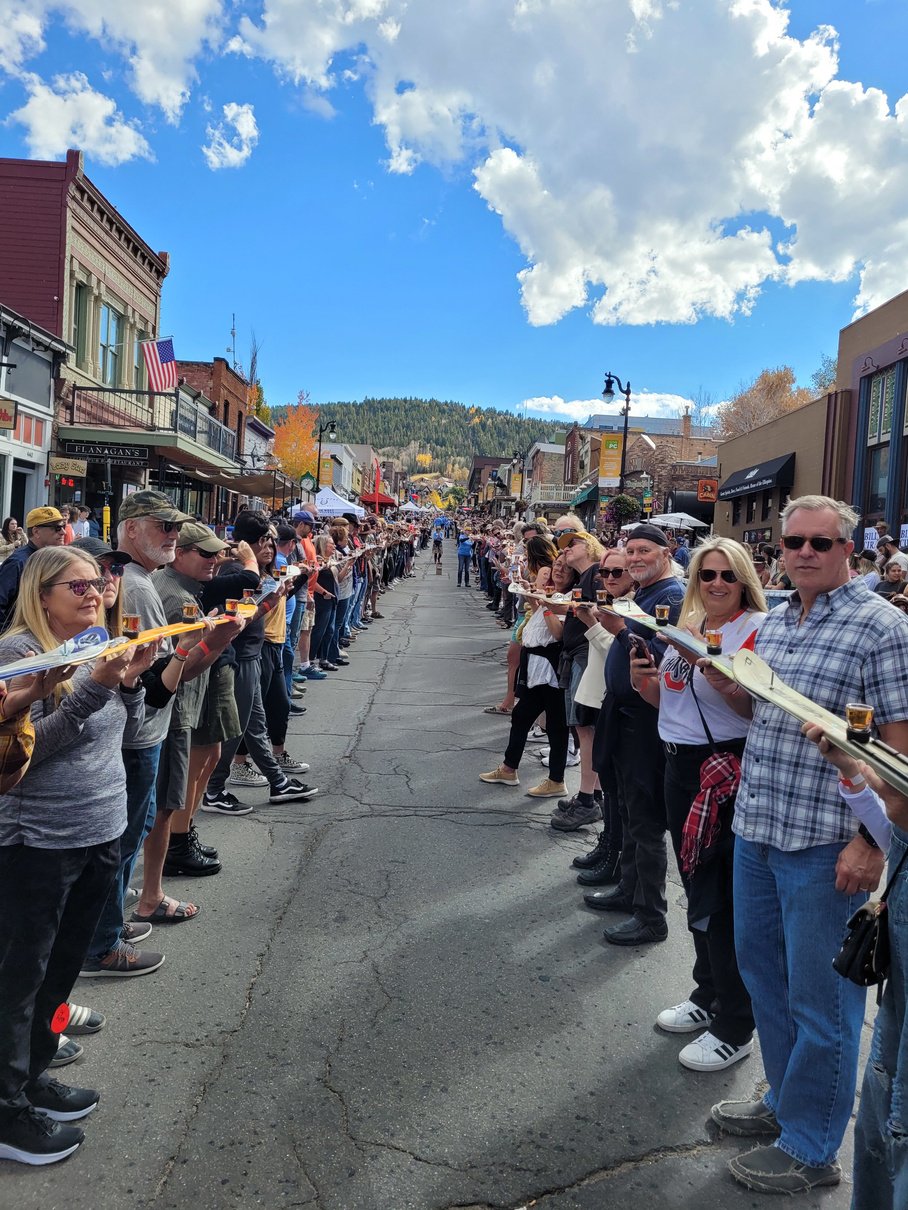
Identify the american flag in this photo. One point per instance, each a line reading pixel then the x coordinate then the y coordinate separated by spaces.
pixel 160 364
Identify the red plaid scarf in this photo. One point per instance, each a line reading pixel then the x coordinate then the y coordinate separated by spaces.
pixel 719 778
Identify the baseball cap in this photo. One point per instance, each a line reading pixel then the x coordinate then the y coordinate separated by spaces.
pixel 100 550
pixel 193 533
pixel 150 504
pixel 43 516
pixel 880 540
pixel 570 534
pixel 303 515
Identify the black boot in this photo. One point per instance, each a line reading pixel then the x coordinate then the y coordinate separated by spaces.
pixel 207 850
pixel 586 861
pixel 605 872
pixel 184 858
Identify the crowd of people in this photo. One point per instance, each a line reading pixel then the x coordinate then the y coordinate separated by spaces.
pixel 143 740
pixel 763 817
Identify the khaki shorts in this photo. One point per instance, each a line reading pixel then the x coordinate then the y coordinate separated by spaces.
pixel 308 617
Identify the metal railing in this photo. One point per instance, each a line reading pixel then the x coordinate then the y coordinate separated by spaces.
pixel 553 493
pixel 151 411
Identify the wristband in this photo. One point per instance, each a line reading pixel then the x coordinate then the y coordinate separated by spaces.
pixel 203 647
pixel 266 607
pixel 866 835
pixel 853 786
pixel 181 651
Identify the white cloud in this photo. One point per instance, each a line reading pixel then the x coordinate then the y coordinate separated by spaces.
pixel 159 39
pixel 643 403
pixel 69 113
pixel 231 148
pixel 654 161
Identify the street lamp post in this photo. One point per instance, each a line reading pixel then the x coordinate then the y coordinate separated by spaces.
pixel 608 395
pixel 327 427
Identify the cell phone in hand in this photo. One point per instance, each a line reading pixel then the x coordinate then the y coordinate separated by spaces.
pixel 639 648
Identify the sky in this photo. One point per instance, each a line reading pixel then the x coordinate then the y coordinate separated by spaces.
pixel 494 201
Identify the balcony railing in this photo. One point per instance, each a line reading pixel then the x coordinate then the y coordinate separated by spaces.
pixel 151 411
pixel 552 493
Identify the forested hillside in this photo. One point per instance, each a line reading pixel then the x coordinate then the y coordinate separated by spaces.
pixel 448 433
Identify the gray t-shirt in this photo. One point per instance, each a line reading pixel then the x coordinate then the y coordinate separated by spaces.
pixel 74 792
pixel 140 596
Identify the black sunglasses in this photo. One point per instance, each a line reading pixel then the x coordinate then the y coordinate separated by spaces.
pixel 113 569
pixel 57 526
pixel 206 554
pixel 708 574
pixel 821 545
pixel 615 572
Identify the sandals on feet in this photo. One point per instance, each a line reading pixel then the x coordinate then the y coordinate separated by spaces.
pixel 161 915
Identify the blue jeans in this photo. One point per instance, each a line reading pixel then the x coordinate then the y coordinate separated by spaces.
pixel 463 570
pixel 333 640
pixel 322 630
pixel 359 598
pixel 141 806
pixel 789 925
pixel 881 1131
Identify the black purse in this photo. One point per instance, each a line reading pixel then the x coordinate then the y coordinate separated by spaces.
pixel 865 956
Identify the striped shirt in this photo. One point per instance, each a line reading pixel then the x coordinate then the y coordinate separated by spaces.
pixel 851 647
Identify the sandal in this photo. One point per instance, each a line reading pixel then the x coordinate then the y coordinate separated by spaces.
pixel 497 710
pixel 161 915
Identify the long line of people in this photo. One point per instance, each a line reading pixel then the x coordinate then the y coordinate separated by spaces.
pixel 142 741
pixel 773 858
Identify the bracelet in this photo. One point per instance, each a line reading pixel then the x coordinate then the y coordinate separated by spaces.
pixel 865 835
pixel 180 659
pixel 203 647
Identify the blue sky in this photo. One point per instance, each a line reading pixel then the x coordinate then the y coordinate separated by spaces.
pixel 623 158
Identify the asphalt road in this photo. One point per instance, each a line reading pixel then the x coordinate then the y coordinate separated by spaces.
pixel 393 998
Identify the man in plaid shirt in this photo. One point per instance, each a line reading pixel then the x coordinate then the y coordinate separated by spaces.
pixel 801 866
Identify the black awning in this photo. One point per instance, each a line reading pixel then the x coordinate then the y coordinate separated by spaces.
pixel 776 472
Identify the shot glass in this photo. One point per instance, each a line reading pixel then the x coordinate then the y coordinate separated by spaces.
pixel 132 625
pixel 714 642
pixel 603 596
pixel 859 720
pixel 231 606
pixel 190 612
pixel 249 596
pixel 662 612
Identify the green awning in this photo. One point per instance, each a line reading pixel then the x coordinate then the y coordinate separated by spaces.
pixel 588 493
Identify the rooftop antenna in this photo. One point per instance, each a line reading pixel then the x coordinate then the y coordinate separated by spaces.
pixel 231 348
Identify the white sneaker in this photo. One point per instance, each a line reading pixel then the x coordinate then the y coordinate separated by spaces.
pixel 543 754
pixel 683 1018
pixel 244 775
pixel 708 1053
pixel 537 732
pixel 573 759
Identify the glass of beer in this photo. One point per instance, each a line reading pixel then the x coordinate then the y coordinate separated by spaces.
pixel 249 596
pixel 282 572
pixel 859 718
pixel 662 614
pixel 132 625
pixel 190 611
pixel 714 642
pixel 603 596
pixel 231 606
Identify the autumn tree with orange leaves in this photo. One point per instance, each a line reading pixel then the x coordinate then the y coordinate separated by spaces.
pixel 295 448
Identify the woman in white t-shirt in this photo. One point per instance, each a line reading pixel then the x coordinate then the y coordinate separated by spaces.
pixel 696 724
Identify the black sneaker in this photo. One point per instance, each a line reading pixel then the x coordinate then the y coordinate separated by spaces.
pixel 224 803
pixel 60 1102
pixel 31 1137
pixel 292 791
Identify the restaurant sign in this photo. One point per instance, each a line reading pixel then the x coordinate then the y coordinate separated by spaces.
pixel 116 455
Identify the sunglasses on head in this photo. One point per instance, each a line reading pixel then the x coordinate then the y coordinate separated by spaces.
pixel 821 545
pixel 80 587
pixel 615 572
pixel 708 574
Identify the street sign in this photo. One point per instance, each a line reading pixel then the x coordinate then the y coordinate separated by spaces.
pixel 610 460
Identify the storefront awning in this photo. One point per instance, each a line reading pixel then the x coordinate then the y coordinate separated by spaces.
pixel 588 493
pixel 776 472
pixel 264 484
pixel 377 498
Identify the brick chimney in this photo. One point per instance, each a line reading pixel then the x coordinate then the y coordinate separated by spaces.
pixel 685 435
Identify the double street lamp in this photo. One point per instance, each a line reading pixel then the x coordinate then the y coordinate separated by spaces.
pixel 611 380
pixel 327 427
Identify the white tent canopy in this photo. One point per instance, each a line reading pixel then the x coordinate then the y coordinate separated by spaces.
pixel 678 521
pixel 409 507
pixel 330 504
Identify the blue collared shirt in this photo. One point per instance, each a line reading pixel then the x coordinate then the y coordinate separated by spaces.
pixel 851 647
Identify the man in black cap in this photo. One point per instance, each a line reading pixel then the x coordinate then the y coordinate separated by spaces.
pixel 627 730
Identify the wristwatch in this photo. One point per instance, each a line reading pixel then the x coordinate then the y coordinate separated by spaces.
pixel 865 835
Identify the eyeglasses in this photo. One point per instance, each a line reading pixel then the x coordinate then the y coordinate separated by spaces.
pixel 114 570
pixel 821 545
pixel 168 527
pixel 57 526
pixel 708 574
pixel 615 572
pixel 206 554
pixel 80 587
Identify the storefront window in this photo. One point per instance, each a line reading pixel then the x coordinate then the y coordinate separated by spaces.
pixel 80 322
pixel 139 363
pixel 751 509
pixel 736 511
pixel 766 511
pixel 109 346
pixel 877 480
pixel 882 402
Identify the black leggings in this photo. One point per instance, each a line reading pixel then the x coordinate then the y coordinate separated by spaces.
pixel 543 699
pixel 719 987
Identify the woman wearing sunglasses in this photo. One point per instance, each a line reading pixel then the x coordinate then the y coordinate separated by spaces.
pixel 59 848
pixel 697 725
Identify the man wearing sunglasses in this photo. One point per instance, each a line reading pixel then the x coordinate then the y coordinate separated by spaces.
pixel 45 527
pixel 802 866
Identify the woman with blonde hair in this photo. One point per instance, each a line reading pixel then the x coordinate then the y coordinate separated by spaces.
pixel 704 740
pixel 59 848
